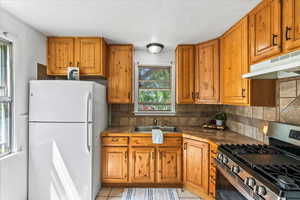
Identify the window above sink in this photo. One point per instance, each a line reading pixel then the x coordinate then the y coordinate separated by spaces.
pixel 154 90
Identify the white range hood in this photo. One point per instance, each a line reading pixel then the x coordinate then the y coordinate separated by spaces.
pixel 284 66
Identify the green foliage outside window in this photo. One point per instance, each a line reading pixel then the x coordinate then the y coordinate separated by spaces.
pixel 154 88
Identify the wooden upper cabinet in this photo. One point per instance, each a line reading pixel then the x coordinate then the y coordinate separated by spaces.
pixel 142 165
pixel 291 24
pixel 265 30
pixel 60 55
pixel 115 164
pixel 120 74
pixel 90 56
pixel 87 53
pixel 169 165
pixel 234 63
pixel 185 74
pixel 207 72
pixel 196 165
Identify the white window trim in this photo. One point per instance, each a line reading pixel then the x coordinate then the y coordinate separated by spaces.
pixel 4 37
pixel 155 113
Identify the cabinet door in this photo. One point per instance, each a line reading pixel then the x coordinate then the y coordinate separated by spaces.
pixel 120 74
pixel 142 165
pixel 169 165
pixel 234 63
pixel 291 24
pixel 196 165
pixel 265 30
pixel 207 72
pixel 89 56
pixel 115 164
pixel 185 74
pixel 60 55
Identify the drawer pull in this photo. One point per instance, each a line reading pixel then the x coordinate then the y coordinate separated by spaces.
pixel 115 140
pixel 274 38
pixel 287 29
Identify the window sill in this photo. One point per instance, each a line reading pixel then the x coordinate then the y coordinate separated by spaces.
pixel 149 113
pixel 9 155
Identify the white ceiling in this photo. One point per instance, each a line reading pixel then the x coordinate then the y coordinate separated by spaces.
pixel 139 22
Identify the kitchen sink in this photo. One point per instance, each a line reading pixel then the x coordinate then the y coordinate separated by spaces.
pixel 149 128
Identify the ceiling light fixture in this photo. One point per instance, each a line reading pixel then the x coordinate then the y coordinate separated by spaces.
pixel 155 48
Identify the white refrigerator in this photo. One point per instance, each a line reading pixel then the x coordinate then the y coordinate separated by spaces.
pixel 65 121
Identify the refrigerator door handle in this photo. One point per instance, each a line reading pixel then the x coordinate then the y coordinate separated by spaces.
pixel 87 122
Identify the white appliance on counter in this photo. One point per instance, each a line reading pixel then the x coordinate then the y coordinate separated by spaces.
pixel 65 121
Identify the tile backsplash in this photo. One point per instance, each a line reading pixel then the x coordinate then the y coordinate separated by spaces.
pixel 186 115
pixel 249 120
pixel 246 120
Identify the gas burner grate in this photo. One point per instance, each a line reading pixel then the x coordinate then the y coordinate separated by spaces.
pixel 285 176
pixel 240 149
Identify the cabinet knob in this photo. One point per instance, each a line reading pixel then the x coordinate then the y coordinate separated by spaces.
pixel 243 92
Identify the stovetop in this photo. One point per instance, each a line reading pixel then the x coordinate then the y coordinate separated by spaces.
pixel 240 149
pixel 285 176
pixel 273 164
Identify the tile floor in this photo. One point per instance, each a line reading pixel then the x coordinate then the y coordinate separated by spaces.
pixel 116 194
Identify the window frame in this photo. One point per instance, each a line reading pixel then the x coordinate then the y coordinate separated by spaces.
pixel 9 97
pixel 136 91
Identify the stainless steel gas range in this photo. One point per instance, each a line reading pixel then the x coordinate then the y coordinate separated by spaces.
pixel 261 172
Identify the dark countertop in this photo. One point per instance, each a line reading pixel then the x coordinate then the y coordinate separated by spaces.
pixel 217 137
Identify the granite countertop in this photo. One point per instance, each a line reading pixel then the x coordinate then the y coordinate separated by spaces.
pixel 197 133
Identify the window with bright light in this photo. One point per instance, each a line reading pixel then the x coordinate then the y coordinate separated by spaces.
pixel 5 97
pixel 154 90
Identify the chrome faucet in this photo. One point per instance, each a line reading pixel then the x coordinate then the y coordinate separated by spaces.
pixel 155 122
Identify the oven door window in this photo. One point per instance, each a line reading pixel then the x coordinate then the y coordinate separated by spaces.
pixel 225 190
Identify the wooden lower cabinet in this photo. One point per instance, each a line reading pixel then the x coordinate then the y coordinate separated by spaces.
pixel 142 165
pixel 212 170
pixel 135 160
pixel 115 164
pixel 169 162
pixel 138 162
pixel 196 167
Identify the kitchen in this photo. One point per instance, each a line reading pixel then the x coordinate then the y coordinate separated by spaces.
pixel 157 113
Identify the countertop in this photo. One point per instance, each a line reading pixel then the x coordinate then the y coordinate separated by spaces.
pixel 217 137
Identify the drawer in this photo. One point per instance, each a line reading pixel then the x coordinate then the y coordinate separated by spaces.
pixel 115 141
pixel 172 141
pixel 141 141
pixel 147 141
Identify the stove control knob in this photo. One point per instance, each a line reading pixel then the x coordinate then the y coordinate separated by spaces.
pixel 260 190
pixel 250 182
pixel 220 156
pixel 235 169
pixel 225 160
